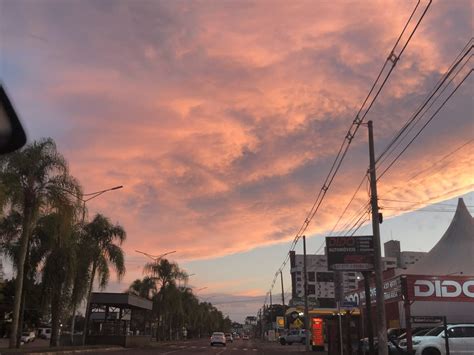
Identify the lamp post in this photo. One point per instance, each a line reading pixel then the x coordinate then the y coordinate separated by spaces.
pixel 91 196
pixel 155 257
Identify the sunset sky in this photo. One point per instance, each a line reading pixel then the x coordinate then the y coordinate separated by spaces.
pixel 222 119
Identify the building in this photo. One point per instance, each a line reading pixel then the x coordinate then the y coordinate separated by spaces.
pixel 321 281
pixel 440 284
pixel 404 258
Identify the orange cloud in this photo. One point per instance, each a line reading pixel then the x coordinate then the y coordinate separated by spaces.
pixel 222 119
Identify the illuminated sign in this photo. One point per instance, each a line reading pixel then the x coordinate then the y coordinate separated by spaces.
pixel 318 334
pixel 280 322
pixel 350 253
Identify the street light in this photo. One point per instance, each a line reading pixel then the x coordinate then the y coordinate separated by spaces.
pixel 84 201
pixel 155 257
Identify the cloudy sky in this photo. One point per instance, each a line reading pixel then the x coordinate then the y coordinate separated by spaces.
pixel 222 119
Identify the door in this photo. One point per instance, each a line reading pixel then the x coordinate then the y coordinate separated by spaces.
pixel 456 341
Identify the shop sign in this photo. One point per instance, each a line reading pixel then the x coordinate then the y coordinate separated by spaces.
pixel 392 291
pixel 426 319
pixel 280 322
pixel 350 253
pixel 317 328
pixel 440 288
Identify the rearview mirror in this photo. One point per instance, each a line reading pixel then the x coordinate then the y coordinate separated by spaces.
pixel 12 135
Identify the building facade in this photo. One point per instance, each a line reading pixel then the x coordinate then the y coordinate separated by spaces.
pixel 321 281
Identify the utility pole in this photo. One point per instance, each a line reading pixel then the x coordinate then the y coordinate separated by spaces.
pixel 271 302
pixel 306 311
pixel 379 296
pixel 368 311
pixel 282 289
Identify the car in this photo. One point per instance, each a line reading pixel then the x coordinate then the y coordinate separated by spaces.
pixel 293 336
pixel 394 348
pixel 392 333
pixel 27 337
pixel 245 337
pixel 44 333
pixel 228 337
pixel 236 337
pixel 218 338
pixel 461 340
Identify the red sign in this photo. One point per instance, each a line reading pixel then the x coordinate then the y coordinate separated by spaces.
pixel 441 288
pixel 318 337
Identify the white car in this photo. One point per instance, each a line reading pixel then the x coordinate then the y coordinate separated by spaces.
pixel 218 338
pixel 461 341
pixel 27 337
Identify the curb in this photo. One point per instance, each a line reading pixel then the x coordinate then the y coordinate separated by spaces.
pixel 64 352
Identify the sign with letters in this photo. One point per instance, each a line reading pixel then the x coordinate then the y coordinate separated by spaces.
pixel 350 253
pixel 441 288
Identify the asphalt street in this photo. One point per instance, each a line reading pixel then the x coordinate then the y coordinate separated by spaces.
pixel 244 347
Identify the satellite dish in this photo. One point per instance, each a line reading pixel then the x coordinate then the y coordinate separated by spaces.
pixel 12 135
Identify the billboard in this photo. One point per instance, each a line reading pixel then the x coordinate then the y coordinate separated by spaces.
pixel 350 253
pixel 440 288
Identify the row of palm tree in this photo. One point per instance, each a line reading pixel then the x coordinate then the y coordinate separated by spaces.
pixel 174 306
pixel 42 232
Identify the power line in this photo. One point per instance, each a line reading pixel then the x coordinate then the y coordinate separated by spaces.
pixel 365 108
pixel 407 127
pixel 424 126
pixel 433 165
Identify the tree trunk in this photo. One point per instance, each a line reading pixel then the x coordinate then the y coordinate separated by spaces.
pixel 55 316
pixel 22 310
pixel 89 292
pixel 25 236
pixel 73 322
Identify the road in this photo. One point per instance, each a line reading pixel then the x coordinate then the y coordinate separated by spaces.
pixel 202 347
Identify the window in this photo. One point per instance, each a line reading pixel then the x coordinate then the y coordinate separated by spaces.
pixel 456 332
pixel 469 332
pixel 311 289
pixel 311 276
pixel 298 279
pixel 325 277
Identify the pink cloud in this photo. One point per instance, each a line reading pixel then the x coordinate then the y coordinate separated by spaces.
pixel 222 119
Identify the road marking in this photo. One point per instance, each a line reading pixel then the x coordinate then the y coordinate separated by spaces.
pixel 254 349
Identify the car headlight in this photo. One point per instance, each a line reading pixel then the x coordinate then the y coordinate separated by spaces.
pixel 416 342
pixel 402 343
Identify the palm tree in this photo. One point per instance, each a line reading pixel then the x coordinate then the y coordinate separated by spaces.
pixel 144 288
pixel 166 274
pixel 56 231
pixel 103 240
pixel 32 179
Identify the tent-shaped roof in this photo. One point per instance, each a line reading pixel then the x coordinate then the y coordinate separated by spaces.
pixel 454 253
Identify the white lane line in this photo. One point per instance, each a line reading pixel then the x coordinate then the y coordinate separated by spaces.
pixel 254 349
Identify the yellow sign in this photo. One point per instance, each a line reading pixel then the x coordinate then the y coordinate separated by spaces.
pixel 298 323
pixel 280 322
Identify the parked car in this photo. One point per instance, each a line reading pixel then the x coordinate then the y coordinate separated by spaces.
pixel 461 340
pixel 245 337
pixel 44 333
pixel 394 348
pixel 218 338
pixel 228 337
pixel 293 336
pixel 27 337
pixel 236 336
pixel 391 334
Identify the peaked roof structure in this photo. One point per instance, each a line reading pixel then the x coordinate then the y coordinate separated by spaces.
pixel 454 252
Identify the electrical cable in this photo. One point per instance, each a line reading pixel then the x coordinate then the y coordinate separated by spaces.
pixel 358 120
pixel 424 126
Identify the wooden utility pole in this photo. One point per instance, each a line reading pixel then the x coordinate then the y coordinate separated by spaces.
pixel 282 289
pixel 379 296
pixel 368 311
pixel 306 310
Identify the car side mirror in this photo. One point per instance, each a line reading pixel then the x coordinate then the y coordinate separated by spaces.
pixel 12 135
